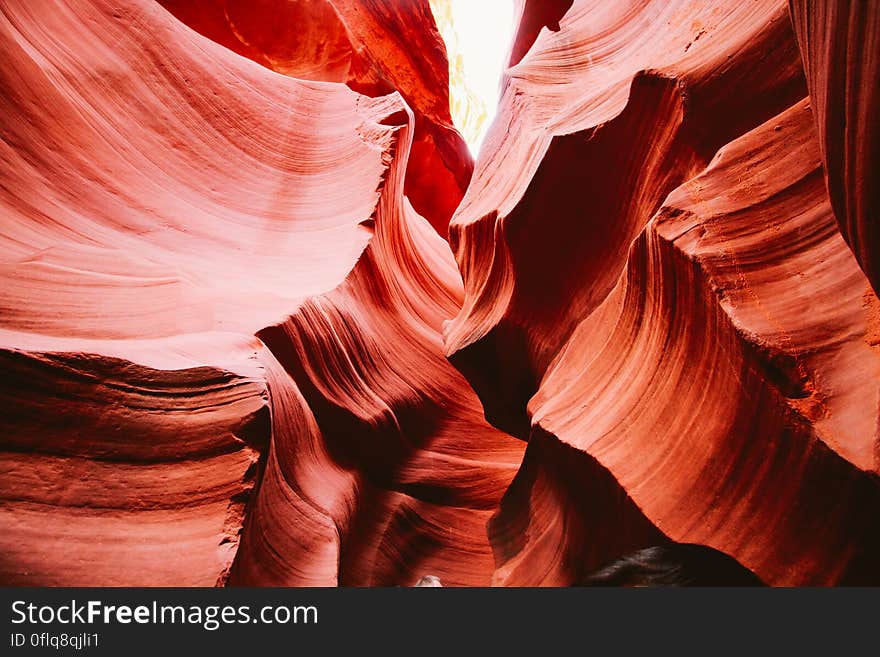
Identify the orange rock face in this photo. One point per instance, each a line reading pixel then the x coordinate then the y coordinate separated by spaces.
pixel 237 348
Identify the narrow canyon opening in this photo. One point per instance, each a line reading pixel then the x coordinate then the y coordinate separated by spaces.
pixel 478 37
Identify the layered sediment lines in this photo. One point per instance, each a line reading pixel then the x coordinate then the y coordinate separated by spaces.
pixel 164 201
pixel 237 349
pixel 840 45
pixel 713 317
pixel 382 467
pixel 604 117
pixel 373 46
pixel 154 217
pixel 656 289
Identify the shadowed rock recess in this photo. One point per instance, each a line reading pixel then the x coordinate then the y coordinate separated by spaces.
pixel 263 321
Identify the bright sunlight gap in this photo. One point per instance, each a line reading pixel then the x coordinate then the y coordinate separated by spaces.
pixel 478 35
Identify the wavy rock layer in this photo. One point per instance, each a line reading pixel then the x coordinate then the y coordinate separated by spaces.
pixel 164 202
pixel 714 318
pixel 382 467
pixel 602 126
pixel 840 44
pixel 656 288
pixel 137 263
pixel 236 350
pixel 375 48
pixel 710 358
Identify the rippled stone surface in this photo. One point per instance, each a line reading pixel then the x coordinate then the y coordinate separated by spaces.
pixel 237 348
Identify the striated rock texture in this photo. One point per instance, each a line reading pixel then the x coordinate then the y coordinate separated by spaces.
pixel 840 44
pixel 657 297
pixel 236 349
pixel 375 47
pixel 211 279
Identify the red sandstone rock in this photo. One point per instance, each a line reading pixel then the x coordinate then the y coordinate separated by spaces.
pixel 382 467
pixel 597 144
pixel 709 361
pixel 373 46
pixel 840 44
pixel 225 314
pixel 152 227
pixel 714 315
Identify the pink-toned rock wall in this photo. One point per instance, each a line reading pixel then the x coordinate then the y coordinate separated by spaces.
pixel 655 285
pixel 237 349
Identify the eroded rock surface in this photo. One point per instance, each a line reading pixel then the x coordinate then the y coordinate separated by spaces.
pixel 237 348
pixel 375 47
pixel 658 290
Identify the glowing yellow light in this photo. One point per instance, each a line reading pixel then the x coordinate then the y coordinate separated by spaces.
pixel 478 34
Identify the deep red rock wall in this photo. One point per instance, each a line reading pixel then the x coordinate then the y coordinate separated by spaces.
pixel 237 348
pixel 840 46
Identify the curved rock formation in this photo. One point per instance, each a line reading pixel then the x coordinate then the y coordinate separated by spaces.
pixel 236 351
pixel 139 264
pixel 375 48
pixel 709 315
pixel 840 44
pixel 150 226
pixel 598 144
pixel 709 360
pixel 382 467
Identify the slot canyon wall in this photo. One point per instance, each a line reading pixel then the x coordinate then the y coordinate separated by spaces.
pixel 263 321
